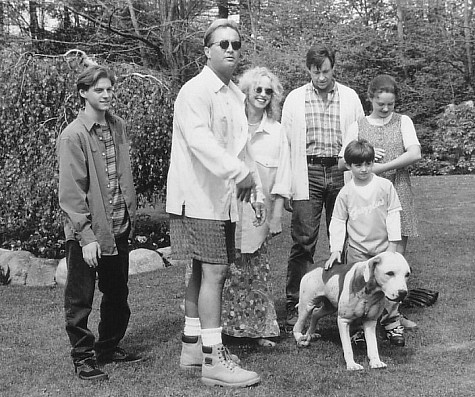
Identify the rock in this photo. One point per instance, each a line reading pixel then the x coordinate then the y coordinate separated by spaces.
pixel 41 272
pixel 19 264
pixel 144 260
pixel 61 272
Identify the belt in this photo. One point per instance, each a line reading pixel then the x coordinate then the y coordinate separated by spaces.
pixel 325 161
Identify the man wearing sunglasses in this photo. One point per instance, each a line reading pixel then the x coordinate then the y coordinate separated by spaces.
pixel 210 170
pixel 315 117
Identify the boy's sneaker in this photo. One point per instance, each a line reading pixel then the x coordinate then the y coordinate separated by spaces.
pixel 396 336
pixel 87 370
pixel 406 323
pixel 292 316
pixel 192 354
pixel 118 355
pixel 220 370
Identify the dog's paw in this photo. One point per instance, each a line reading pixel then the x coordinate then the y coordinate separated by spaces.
pixel 354 367
pixel 377 364
pixel 302 340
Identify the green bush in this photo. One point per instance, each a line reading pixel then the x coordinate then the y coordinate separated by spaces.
pixel 449 147
pixel 38 100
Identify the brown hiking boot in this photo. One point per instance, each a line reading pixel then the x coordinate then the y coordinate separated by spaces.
pixel 220 370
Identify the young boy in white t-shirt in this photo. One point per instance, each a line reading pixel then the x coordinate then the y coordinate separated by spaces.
pixel 367 217
pixel 366 210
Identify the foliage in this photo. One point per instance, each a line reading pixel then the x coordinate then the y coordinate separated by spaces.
pixel 150 234
pixel 38 100
pixel 5 278
pixel 453 141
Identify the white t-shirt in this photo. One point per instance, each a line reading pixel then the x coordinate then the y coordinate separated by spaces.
pixel 370 214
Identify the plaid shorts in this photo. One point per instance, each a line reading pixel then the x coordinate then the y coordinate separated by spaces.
pixel 205 240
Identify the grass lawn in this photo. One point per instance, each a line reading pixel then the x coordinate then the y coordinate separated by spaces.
pixel 438 359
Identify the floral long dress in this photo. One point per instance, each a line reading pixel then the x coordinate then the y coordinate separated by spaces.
pixel 248 306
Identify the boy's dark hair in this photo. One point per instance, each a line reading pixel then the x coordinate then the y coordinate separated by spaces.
pixel 90 76
pixel 358 152
pixel 317 54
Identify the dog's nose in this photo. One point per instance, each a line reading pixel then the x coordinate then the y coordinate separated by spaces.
pixel 402 294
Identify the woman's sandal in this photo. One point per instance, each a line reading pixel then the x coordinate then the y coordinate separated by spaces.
pixel 265 342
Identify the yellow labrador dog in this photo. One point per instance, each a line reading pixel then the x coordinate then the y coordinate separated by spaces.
pixel 357 292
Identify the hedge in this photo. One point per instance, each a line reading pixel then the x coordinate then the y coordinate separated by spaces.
pixel 38 100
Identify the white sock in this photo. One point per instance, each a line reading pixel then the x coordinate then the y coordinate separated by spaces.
pixel 211 336
pixel 192 326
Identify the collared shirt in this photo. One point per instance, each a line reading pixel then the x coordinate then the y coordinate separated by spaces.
pixel 324 136
pixel 84 191
pixel 120 218
pixel 271 152
pixel 295 126
pixel 209 149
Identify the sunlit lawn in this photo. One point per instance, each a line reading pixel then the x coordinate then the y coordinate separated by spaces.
pixel 438 359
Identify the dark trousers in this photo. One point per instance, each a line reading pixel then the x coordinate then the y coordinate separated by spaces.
pixel 112 275
pixel 325 183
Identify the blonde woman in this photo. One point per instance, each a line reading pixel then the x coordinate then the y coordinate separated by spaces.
pixel 248 307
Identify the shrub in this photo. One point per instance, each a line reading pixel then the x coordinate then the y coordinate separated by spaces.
pixel 451 147
pixel 38 100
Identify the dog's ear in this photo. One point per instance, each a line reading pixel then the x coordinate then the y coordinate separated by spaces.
pixel 369 273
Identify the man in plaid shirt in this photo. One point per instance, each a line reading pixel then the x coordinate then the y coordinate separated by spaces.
pixel 315 117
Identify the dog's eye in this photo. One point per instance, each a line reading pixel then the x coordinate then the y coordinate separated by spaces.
pixel 390 274
pixel 407 275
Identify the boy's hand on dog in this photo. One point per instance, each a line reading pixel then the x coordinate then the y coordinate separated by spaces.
pixel 335 256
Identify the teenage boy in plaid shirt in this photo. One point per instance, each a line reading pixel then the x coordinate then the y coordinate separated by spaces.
pixel 97 196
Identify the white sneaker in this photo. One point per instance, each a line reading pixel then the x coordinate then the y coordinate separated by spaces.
pixel 406 323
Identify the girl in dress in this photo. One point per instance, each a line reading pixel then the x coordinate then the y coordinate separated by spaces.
pixel 248 307
pixel 396 147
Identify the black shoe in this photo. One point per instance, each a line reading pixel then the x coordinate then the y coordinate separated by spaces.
pixel 118 356
pixel 292 316
pixel 396 336
pixel 87 370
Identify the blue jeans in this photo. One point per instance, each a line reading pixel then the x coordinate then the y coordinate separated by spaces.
pixel 112 274
pixel 324 185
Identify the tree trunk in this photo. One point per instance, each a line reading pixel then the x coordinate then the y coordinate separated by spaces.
pixel 133 18
pixel 467 16
pixel 2 24
pixel 34 27
pixel 223 9
pixel 245 16
pixel 400 21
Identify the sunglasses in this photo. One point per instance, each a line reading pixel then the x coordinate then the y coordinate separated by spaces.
pixel 268 91
pixel 224 44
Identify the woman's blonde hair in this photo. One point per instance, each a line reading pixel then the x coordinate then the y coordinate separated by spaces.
pixel 248 81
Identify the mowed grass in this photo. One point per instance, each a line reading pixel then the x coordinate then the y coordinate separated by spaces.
pixel 438 359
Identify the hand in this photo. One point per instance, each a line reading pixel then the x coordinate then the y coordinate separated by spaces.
pixel 245 188
pixel 288 205
pixel 91 252
pixel 335 256
pixel 260 211
pixel 379 154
